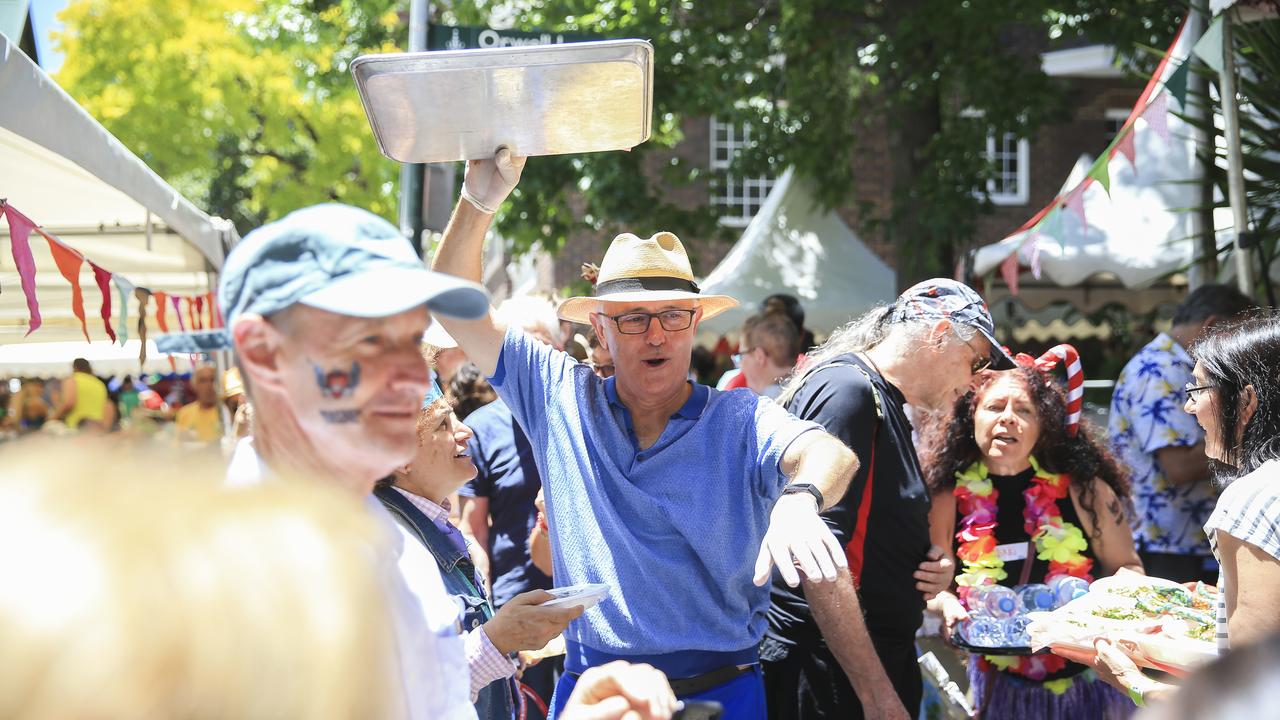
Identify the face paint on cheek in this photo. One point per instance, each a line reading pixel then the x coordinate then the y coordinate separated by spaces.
pixel 336 384
pixel 340 417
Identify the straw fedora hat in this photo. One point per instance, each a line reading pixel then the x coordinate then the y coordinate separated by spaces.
pixel 644 270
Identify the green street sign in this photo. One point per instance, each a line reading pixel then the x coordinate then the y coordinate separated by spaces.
pixel 453 37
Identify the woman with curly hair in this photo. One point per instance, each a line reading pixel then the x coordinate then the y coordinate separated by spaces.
pixel 1020 496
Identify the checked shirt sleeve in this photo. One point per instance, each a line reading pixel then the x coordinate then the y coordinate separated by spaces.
pixel 485 662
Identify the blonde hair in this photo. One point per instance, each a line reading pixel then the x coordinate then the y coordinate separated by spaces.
pixel 132 591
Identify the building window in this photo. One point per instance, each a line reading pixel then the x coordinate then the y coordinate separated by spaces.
pixel 1012 158
pixel 1115 121
pixel 736 198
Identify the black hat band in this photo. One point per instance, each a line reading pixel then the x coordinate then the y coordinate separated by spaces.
pixel 645 284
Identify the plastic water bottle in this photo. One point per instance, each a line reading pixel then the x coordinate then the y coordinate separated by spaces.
pixel 1036 597
pixel 1067 588
pixel 1015 630
pixel 1001 602
pixel 983 631
pixel 977 599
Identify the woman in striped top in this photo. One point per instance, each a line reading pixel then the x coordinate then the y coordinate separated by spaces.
pixel 1235 397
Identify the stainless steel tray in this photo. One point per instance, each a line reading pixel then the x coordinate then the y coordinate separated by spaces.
pixel 452 105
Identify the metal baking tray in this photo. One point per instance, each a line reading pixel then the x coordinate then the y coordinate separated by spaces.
pixel 449 105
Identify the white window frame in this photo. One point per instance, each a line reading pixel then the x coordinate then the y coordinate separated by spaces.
pixel 737 196
pixel 1022 171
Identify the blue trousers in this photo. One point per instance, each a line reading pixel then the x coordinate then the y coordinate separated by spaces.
pixel 742 697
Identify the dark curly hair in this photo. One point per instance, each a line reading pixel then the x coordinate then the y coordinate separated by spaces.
pixel 954 448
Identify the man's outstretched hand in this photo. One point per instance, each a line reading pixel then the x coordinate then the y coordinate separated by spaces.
pixel 797 537
pixel 488 182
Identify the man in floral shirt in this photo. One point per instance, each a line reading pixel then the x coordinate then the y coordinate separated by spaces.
pixel 1164 447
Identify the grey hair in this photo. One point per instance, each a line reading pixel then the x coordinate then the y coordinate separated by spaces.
pixel 863 333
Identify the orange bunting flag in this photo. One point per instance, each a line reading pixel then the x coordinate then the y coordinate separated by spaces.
pixel 103 278
pixel 215 315
pixel 191 315
pixel 162 306
pixel 69 262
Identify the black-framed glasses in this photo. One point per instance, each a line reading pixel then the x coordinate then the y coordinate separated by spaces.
pixel 637 323
pixel 1192 390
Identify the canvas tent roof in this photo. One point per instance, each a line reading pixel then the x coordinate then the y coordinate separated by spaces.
pixel 64 171
pixel 795 246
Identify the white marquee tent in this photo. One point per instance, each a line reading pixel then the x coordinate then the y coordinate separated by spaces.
pixel 64 171
pixel 795 246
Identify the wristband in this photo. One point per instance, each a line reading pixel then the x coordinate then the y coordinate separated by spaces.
pixel 1135 694
pixel 794 488
pixel 466 195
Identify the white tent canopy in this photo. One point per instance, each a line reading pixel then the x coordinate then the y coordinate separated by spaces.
pixel 795 246
pixel 63 170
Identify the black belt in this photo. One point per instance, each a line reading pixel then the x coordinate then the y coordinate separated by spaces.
pixel 684 687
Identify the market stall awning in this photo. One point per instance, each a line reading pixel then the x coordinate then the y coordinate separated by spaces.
pixel 794 245
pixel 65 172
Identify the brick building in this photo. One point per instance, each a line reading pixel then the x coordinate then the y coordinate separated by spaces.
pixel 1031 170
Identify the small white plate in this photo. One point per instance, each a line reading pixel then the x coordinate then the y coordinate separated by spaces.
pixel 587 595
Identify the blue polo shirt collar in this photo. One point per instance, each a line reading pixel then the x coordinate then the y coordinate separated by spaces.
pixel 691 410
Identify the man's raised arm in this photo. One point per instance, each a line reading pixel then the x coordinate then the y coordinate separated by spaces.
pixel 487 184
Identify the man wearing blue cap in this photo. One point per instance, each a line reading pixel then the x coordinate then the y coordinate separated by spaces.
pixel 673 495
pixel 326 309
pixel 847 649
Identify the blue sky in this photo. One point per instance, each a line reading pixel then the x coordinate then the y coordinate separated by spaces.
pixel 44 20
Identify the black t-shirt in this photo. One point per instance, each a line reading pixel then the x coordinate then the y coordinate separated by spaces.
pixel 883 519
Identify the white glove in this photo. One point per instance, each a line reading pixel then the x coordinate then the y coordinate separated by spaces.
pixel 488 182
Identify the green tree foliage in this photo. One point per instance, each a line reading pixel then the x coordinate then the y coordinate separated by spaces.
pixel 246 106
pixel 813 77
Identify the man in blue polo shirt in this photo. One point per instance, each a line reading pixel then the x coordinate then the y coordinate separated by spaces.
pixel 677 497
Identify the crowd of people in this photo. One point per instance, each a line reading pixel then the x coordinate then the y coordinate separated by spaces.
pixel 415 472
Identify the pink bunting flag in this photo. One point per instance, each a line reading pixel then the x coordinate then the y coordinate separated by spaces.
pixel 20 227
pixel 1075 203
pixel 1157 115
pixel 1033 245
pixel 177 310
pixel 1009 271
pixel 1125 147
pixel 103 278
pixel 69 262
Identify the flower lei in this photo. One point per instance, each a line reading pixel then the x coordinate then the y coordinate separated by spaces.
pixel 1055 540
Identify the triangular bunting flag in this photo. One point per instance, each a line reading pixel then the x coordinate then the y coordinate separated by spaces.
pixel 143 295
pixel 191 312
pixel 162 307
pixel 1157 116
pixel 125 288
pixel 1075 202
pixel 215 312
pixel 20 227
pixel 1033 243
pixel 68 262
pixel 1125 147
pixel 1209 47
pixel 1009 271
pixel 198 320
pixel 1176 84
pixel 1053 227
pixel 103 278
pixel 1102 173
pixel 177 311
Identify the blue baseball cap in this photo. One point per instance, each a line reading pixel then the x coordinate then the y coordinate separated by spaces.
pixel 946 299
pixel 340 259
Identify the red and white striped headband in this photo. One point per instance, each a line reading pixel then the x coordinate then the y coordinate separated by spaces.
pixel 1067 355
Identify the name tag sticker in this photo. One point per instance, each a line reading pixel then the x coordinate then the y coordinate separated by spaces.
pixel 1012 551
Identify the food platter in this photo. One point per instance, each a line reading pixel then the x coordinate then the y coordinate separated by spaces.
pixel 451 105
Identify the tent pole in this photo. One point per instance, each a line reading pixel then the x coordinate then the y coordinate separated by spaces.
pixel 1200 221
pixel 1235 158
